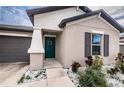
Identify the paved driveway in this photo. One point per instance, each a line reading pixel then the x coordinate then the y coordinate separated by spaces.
pixel 11 72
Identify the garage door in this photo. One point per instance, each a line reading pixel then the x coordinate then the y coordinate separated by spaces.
pixel 14 49
pixel 122 49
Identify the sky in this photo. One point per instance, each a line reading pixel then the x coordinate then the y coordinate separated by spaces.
pixel 16 15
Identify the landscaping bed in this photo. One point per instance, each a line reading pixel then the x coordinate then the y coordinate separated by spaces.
pixel 30 76
pixel 116 80
pixel 112 81
pixel 95 74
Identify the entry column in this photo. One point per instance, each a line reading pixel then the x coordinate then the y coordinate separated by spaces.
pixel 36 50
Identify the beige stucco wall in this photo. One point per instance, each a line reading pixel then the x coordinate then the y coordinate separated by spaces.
pixel 71 42
pixel 61 47
pixel 51 20
pixel 36 61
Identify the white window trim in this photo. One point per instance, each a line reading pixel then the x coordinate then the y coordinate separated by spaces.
pixel 101 45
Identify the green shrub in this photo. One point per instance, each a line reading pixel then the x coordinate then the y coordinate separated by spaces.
pixel 119 58
pixel 120 65
pixel 122 81
pixel 27 77
pixel 120 62
pixel 89 61
pixel 113 71
pixel 92 78
pixel 21 80
pixel 97 63
pixel 38 74
pixel 75 66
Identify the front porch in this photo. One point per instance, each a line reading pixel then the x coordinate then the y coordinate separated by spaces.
pixel 51 63
pixel 43 50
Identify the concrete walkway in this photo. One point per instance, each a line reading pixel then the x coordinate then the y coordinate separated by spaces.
pixel 55 74
pixel 51 63
pixel 55 77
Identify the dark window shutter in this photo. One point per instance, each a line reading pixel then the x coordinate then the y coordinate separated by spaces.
pixel 87 44
pixel 106 45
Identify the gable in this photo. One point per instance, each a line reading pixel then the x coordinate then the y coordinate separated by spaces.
pixel 101 14
pixel 50 20
pixel 97 23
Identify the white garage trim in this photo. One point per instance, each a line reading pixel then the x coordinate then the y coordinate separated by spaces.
pixel 121 43
pixel 17 34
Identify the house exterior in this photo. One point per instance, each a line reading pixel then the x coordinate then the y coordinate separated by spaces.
pixel 14 43
pixel 69 34
pixel 64 33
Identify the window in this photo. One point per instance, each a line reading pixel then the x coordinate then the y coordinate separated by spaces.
pixel 96 44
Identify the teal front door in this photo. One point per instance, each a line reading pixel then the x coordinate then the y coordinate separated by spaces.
pixel 49 47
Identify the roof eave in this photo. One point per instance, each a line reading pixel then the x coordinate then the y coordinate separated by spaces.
pixel 64 21
pixel 45 9
pixel 41 10
pixel 102 13
pixel 111 21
